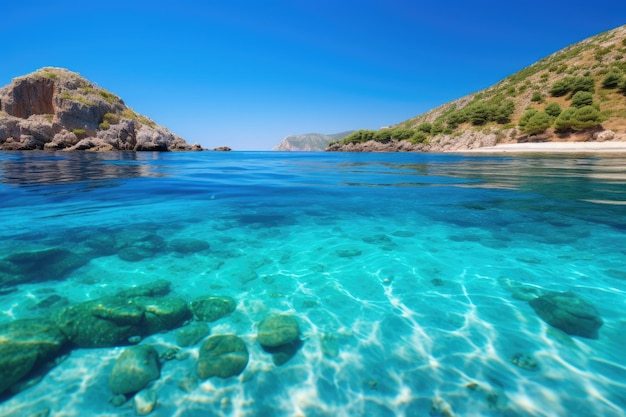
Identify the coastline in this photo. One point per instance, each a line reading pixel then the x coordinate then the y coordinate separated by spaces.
pixel 552 147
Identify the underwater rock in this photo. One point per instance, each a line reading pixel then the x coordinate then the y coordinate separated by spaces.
pixel 164 313
pixel 24 345
pixel 519 291
pixel 102 244
pixel 223 356
pixel 156 288
pixel 278 329
pixel 188 245
pixel 104 322
pixel 211 308
pixel 39 265
pixel 138 245
pixel 283 353
pixel 568 312
pixel 134 369
pixel 191 334
pixel 145 401
pixel 348 253
pixel 279 335
pixel 525 361
pixel 135 253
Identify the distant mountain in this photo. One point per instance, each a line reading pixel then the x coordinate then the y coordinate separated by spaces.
pixel 309 141
pixel 55 109
pixel 575 94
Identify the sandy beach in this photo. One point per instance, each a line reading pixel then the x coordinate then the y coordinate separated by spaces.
pixel 555 147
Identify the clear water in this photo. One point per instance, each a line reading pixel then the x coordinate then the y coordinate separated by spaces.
pixel 395 265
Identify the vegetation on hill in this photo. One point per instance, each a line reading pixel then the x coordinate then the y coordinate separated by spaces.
pixel 578 88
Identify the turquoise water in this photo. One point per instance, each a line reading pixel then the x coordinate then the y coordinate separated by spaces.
pixel 401 270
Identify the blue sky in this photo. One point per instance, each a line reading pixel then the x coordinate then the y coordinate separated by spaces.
pixel 247 73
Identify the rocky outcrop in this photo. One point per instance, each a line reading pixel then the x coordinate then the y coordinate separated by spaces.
pixel 309 141
pixel 56 109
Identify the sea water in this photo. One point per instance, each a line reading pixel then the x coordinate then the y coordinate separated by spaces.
pixel 399 269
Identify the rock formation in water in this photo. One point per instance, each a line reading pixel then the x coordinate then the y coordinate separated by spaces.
pixel 309 141
pixel 55 109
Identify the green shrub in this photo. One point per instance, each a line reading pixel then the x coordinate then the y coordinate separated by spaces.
pixel 622 86
pixel 418 137
pixel 565 121
pixel 561 87
pixel 584 83
pixel 437 127
pixel 456 118
pixel 112 118
pixel 537 123
pixel 80 133
pixel 537 97
pixel 104 125
pixel 425 127
pixel 586 117
pixel 582 99
pixel 553 109
pixel 523 121
pixel 612 80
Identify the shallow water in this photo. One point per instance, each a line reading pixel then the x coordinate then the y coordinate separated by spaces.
pixel 398 267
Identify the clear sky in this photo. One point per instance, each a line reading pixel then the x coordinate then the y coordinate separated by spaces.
pixel 246 73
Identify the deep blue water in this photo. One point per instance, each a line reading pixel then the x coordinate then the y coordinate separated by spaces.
pixel 400 268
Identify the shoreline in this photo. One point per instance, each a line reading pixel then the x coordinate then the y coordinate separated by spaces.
pixel 552 147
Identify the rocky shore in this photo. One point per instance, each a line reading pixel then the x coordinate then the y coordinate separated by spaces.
pixel 56 109
pixel 492 141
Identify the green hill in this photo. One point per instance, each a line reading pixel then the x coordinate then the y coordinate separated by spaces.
pixel 571 95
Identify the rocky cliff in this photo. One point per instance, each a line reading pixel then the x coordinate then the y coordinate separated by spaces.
pixel 55 109
pixel 309 141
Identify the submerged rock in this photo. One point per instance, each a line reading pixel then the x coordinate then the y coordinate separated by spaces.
pixel 211 308
pixel 39 265
pixel 105 322
pixel 145 401
pixel 568 312
pixel 156 288
pixel 165 313
pixel 188 245
pixel 135 368
pixel 191 334
pixel 278 329
pixel 24 345
pixel 279 335
pixel 223 356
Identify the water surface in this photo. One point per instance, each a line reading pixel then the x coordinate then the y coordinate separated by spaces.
pixel 400 268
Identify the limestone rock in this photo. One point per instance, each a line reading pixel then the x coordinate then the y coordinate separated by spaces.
pixel 191 334
pixel 135 368
pixel 223 356
pixel 24 345
pixel 54 108
pixel 568 312
pixel 211 308
pixel 278 329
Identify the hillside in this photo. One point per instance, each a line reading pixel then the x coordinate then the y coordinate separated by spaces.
pixel 54 109
pixel 575 94
pixel 309 141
